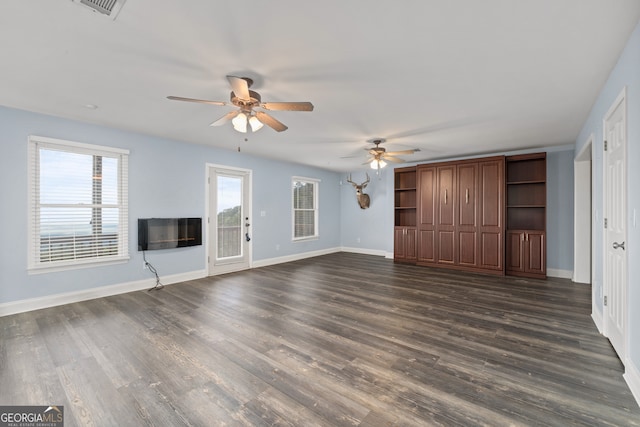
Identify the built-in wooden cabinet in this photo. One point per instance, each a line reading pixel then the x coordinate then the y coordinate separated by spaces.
pixel 405 212
pixel 460 214
pixel 526 177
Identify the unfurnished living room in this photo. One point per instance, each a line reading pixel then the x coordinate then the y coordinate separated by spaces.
pixel 320 214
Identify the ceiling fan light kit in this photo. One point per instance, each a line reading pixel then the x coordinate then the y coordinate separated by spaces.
pixel 378 164
pixel 246 100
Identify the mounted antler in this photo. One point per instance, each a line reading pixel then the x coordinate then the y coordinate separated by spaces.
pixel 363 199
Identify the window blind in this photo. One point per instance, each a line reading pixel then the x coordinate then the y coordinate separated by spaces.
pixel 305 210
pixel 78 203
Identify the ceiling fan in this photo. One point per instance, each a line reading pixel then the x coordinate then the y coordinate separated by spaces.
pixel 379 155
pixel 246 100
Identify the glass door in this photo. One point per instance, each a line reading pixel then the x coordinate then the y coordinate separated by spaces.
pixel 229 225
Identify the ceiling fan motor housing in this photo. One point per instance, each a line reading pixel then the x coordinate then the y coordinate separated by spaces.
pixel 253 101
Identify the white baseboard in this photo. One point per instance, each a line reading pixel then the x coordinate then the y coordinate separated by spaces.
pixel 632 377
pixel 596 316
pixel 364 251
pixel 560 274
pixel 294 257
pixel 30 304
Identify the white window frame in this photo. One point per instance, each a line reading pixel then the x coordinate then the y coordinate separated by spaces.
pixel 34 264
pixel 316 190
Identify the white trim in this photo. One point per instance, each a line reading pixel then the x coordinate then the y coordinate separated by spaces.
pixel 632 377
pixel 294 257
pixel 34 204
pixel 90 148
pixel 364 251
pixel 596 316
pixel 583 213
pixel 246 173
pixel 316 209
pixel 560 274
pixel 30 304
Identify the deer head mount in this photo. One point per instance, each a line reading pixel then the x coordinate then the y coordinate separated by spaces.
pixel 363 199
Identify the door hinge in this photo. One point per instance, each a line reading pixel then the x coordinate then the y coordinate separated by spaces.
pixel 605 223
pixel 605 300
pixel 605 146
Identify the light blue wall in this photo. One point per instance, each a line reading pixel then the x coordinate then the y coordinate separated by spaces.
pixel 357 223
pixel 626 73
pixel 560 211
pixel 373 226
pixel 166 179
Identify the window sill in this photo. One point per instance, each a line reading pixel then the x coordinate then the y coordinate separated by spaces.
pixel 75 265
pixel 304 239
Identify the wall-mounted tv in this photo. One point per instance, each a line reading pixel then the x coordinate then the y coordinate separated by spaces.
pixel 168 233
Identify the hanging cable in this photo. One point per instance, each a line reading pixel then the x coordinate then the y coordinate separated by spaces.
pixel 152 269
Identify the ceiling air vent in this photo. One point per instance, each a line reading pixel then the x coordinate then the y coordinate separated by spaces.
pixel 110 8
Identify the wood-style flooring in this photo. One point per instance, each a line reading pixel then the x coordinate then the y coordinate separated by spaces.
pixel 337 340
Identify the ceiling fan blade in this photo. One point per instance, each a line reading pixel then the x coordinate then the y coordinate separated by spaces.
pixel 394 153
pixel 287 106
pixel 224 119
pixel 369 161
pixel 200 101
pixel 392 159
pixel 270 121
pixel 239 86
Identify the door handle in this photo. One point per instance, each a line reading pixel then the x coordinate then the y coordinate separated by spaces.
pixel 617 245
pixel 467 197
pixel 445 196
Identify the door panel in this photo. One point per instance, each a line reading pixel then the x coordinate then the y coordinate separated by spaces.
pixel 490 250
pixel 399 246
pixel 515 256
pixel 446 184
pixel 426 246
pixel 467 175
pixel 229 225
pixel 426 187
pixel 446 247
pixel 467 248
pixel 615 210
pixel 534 251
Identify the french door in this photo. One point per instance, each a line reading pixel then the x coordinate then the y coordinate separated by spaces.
pixel 229 220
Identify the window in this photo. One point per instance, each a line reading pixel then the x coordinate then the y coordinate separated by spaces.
pixel 305 208
pixel 77 204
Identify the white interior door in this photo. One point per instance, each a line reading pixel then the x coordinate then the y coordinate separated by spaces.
pixel 615 208
pixel 229 220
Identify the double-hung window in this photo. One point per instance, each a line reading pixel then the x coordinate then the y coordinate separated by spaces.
pixel 77 204
pixel 305 208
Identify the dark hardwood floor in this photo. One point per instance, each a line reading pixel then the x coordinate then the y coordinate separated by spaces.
pixel 342 339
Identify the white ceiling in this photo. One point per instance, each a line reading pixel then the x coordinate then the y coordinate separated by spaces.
pixel 451 77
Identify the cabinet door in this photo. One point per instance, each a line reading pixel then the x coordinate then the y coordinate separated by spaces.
pixel 426 186
pixel 399 245
pixel 410 242
pixel 535 253
pixel 466 227
pixel 515 251
pixel 445 218
pixel 491 214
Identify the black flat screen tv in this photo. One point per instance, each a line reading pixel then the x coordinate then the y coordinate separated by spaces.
pixel 168 233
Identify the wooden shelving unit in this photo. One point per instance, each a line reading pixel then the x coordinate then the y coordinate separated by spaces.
pixel 405 207
pixel 526 181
